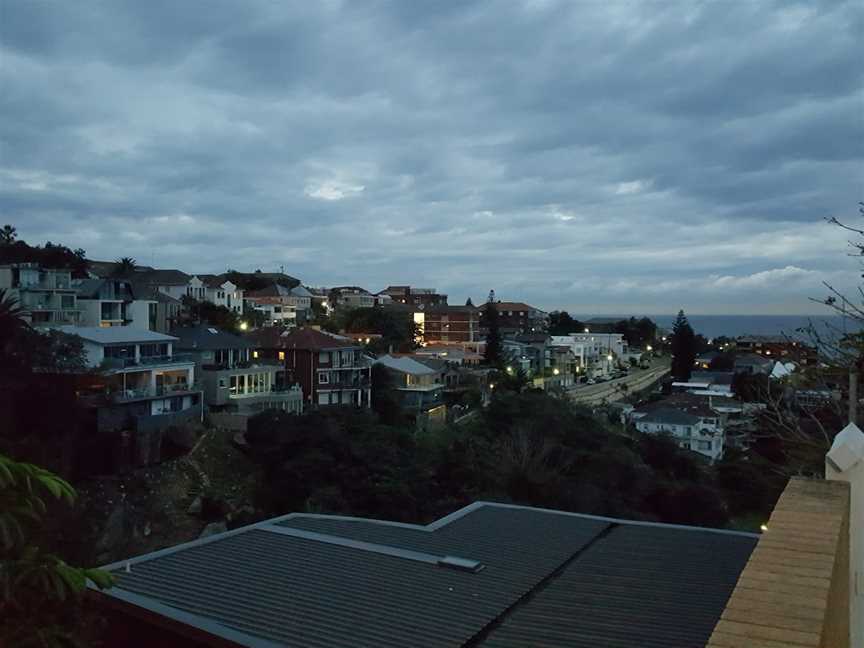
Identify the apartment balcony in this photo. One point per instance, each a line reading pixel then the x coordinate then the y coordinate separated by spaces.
pixel 139 393
pixel 364 383
pixel 274 393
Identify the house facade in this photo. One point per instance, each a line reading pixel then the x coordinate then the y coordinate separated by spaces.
pixel 420 388
pixel 139 381
pixel 698 429
pixel 330 369
pixel 112 302
pixel 233 378
pixel 218 290
pixel 46 297
pixel 281 306
pixel 518 317
pixel 349 297
pixel 778 347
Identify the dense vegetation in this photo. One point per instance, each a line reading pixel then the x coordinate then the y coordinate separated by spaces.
pixel 50 255
pixel 529 447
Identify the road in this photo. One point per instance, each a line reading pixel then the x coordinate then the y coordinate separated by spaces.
pixel 612 390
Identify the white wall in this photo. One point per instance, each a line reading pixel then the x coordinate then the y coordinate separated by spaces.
pixel 139 312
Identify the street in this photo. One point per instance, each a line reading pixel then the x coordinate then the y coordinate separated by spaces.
pixel 619 388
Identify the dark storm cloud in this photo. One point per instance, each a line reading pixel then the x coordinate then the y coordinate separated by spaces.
pixel 594 156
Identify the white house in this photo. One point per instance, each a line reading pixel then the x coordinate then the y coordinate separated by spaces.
pixel 112 302
pixel 139 375
pixel 698 429
pixel 218 290
pixel 46 296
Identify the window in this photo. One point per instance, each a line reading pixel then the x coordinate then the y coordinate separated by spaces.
pixel 705 446
pixel 281 355
pixel 323 378
pixel 255 354
pixel 221 382
pixel 324 357
pixel 233 389
pixel 324 399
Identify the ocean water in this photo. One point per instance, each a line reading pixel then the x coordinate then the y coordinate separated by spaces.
pixel 712 326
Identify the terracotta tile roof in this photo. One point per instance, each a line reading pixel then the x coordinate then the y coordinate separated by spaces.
pixel 302 338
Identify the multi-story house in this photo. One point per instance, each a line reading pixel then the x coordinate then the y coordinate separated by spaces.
pixel 351 297
pixel 216 289
pixel 420 388
pixel 692 421
pixel 138 382
pixel 112 302
pixel 281 305
pixel 330 369
pixel 595 353
pixel 447 324
pixel 45 296
pixel 173 283
pixel 753 363
pixel 778 347
pixel 414 296
pixel 233 376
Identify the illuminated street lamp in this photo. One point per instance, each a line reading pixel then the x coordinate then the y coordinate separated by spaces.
pixel 609 357
pixel 649 348
pixel 587 330
pixel 509 370
pixel 243 326
pixel 555 371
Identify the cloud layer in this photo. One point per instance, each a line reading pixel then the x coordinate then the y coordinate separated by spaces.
pixel 601 157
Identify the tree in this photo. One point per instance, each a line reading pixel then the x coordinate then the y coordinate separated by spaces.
pixel 683 348
pixel 8 235
pixel 41 597
pixel 12 326
pixel 493 352
pixel 560 323
pixel 204 312
pixel 124 267
pixel 469 302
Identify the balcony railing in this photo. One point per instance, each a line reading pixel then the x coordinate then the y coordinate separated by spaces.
pixel 161 390
pixel 281 393
pixel 125 363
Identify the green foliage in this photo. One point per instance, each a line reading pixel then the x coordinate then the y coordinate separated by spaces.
pixel 8 235
pixel 684 348
pixel 124 267
pixel 493 353
pixel 215 315
pixel 40 595
pixel 638 332
pixel 527 447
pixel 397 329
pixel 560 323
pixel 49 255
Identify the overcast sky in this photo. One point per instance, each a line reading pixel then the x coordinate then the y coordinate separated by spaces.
pixel 603 157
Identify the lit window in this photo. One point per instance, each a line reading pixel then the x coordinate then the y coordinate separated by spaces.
pixel 254 354
pixel 281 355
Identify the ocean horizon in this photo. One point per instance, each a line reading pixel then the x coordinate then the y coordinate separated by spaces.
pixel 712 326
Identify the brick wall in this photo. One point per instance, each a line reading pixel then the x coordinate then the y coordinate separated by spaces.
pixel 794 590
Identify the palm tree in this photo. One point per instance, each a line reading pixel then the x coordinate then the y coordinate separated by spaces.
pixel 8 235
pixel 12 324
pixel 124 266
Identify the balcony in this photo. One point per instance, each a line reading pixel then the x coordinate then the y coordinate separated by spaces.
pixel 140 393
pixel 125 363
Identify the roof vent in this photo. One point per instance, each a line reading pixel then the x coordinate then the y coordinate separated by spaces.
pixel 460 564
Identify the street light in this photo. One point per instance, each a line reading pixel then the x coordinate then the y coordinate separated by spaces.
pixel 609 357
pixel 649 348
pixel 587 330
pixel 243 326
pixel 555 371
pixel 509 370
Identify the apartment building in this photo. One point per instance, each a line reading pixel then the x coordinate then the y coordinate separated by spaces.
pixel 351 297
pixel 778 347
pixel 330 369
pixel 519 317
pixel 447 324
pixel 233 376
pixel 414 296
pixel 46 296
pixel 216 289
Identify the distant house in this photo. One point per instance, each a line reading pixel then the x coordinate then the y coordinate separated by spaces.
pixel 46 296
pixel 233 377
pixel 753 363
pixel 139 382
pixel 330 369
pixel 348 297
pixel 281 305
pixel 778 347
pixel 699 429
pixel 113 302
pixel 216 289
pixel 419 386
pixel 704 360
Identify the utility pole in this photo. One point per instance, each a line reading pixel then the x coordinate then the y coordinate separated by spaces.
pixel 853 394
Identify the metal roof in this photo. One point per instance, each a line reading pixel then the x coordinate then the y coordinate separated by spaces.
pixel 116 334
pixel 405 365
pixel 206 337
pixel 548 578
